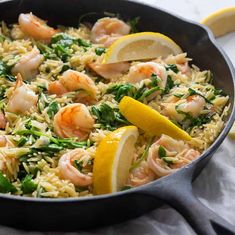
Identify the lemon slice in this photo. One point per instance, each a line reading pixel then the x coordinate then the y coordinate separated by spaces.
pixel 149 120
pixel 139 46
pixel 113 159
pixel 221 21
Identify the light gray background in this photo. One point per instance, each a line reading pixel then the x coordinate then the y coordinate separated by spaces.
pixel 215 187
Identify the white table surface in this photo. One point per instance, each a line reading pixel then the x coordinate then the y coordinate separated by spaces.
pixel 215 187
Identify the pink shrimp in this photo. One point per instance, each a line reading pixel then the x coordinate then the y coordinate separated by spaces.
pixel 72 80
pixel 107 30
pixel 173 155
pixel 35 27
pixel 68 170
pixel 73 120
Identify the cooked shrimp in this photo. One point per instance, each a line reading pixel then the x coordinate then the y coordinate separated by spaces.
pixel 144 70
pixel 71 173
pixel 73 120
pixel 107 30
pixel 193 105
pixel 3 121
pixel 109 71
pixel 181 61
pixel 177 154
pixel 141 175
pixel 35 27
pixel 72 81
pixel 28 64
pixel 22 98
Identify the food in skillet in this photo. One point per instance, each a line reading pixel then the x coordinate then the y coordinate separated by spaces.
pixel 73 124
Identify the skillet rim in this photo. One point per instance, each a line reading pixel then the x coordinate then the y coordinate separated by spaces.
pixel 214 146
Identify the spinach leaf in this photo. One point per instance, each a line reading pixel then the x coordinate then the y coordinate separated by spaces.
pixel 53 108
pixel 27 185
pixel 78 164
pixel 133 24
pixel 172 67
pixel 161 152
pixel 83 43
pixel 47 51
pixel 100 50
pixel 5 71
pixel 194 92
pixel 22 141
pixel 108 118
pixel 5 185
pixel 121 90
pixel 169 84
pixel 178 95
pixel 169 160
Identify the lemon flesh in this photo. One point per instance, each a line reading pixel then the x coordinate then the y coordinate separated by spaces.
pixel 221 22
pixel 113 159
pixel 149 120
pixel 139 46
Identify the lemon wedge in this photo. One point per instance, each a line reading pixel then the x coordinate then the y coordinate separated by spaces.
pixel 139 46
pixel 232 131
pixel 113 159
pixel 149 120
pixel 221 22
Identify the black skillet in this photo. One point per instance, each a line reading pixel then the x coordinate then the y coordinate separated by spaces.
pixel 175 189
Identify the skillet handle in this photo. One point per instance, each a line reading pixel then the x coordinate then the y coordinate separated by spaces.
pixel 178 193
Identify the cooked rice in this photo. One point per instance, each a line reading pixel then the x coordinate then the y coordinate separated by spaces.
pixel 44 167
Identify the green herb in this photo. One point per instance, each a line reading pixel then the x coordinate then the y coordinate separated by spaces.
pixel 161 152
pixel 78 164
pixel 62 52
pixel 47 52
pixel 2 92
pixel 28 185
pixel 121 90
pixel 63 39
pixel 100 50
pixel 5 185
pixel 172 67
pixel 143 156
pixel 56 144
pixel 126 187
pixel 22 141
pixel 169 84
pixel 5 71
pixel 133 24
pixel 83 43
pixel 194 92
pixel 169 160
pixel 53 108
pixel 194 121
pixel 178 95
pixel 155 80
pixel 109 118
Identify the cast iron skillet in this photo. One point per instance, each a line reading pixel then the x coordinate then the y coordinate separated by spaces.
pixel 175 189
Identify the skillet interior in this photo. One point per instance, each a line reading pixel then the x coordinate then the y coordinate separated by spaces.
pixel 65 214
